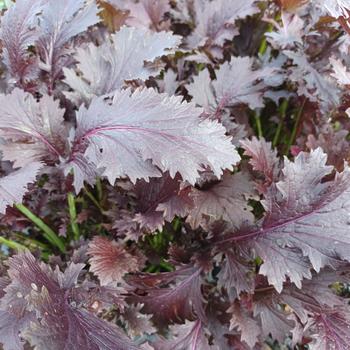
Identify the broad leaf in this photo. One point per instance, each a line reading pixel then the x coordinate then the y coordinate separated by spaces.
pixel 52 299
pixel 105 68
pixel 226 200
pixel 140 134
pixel 306 216
pixel 336 8
pixel 177 302
pixel 331 331
pixel 33 130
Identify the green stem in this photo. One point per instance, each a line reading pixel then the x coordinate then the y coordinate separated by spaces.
pixel 49 234
pixel 93 199
pixel 99 189
pixel 11 244
pixel 166 266
pixel 30 242
pixel 73 216
pixel 177 224
pixel 263 45
pixel 283 110
pixel 258 125
pixel 296 125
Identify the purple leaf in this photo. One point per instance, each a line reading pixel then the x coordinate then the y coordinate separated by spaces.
pixel 61 21
pixel 158 200
pixel 14 186
pixel 215 20
pixel 309 214
pixel 136 322
pixel 19 30
pixel 225 200
pixel 333 142
pixel 104 69
pixel 110 261
pixel 307 217
pixel 263 159
pixel 336 8
pixel 236 82
pixel 235 275
pixel 51 296
pixel 146 13
pixel 331 331
pixel 176 302
pixel 33 130
pixel 139 134
pixel 279 263
pixel 341 74
pixel 189 336
pixel 291 32
pixel 249 328
pixel 314 85
pixel 273 318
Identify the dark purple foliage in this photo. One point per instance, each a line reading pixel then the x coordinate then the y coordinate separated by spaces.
pixel 174 175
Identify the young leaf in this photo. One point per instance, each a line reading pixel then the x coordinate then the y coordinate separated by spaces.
pixel 236 82
pixel 61 21
pixel 311 83
pixel 225 200
pixel 137 322
pixel 291 32
pixel 235 274
pixel 263 159
pixel 110 261
pixel 18 31
pixel 158 200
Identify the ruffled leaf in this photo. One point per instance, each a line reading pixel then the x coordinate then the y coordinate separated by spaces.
pixel 141 133
pixel 51 299
pixel 60 22
pixel 105 68
pixel 14 186
pixel 33 131
pixel 110 261
pixel 19 31
pixel 236 82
